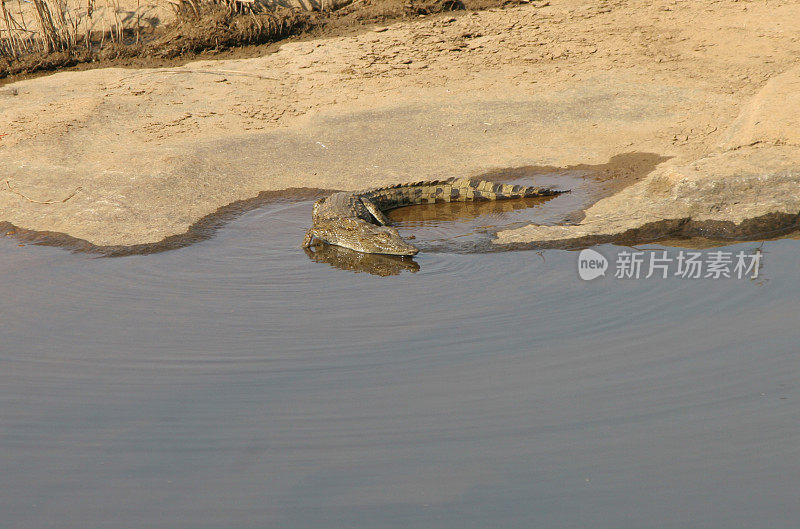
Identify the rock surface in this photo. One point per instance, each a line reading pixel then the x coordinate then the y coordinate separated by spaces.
pixel 151 152
pixel 747 187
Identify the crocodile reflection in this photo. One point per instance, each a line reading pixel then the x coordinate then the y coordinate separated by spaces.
pixel 346 259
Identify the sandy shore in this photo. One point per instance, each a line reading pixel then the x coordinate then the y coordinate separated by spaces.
pixel 711 86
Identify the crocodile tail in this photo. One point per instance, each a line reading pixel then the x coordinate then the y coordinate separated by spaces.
pixel 452 190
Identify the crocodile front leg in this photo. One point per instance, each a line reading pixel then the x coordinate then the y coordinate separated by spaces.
pixel 375 212
pixel 310 234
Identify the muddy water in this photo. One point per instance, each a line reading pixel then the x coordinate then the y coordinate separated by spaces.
pixel 237 383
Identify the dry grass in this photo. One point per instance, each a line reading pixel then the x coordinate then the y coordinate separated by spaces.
pixel 53 27
pixel 60 33
pixel 56 29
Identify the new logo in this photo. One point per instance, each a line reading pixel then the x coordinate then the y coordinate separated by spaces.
pixel 591 264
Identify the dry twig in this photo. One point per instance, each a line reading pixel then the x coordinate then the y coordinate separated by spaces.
pixel 8 185
pixel 209 72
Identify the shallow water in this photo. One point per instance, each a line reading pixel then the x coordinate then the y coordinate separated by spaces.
pixel 237 383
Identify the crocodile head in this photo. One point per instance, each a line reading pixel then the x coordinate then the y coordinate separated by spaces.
pixel 362 236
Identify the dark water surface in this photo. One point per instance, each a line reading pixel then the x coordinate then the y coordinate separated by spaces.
pixel 236 383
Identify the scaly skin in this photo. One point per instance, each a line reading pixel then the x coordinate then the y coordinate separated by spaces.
pixel 357 221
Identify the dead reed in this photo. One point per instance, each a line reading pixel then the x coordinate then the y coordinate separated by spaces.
pixel 234 7
pixel 51 27
pixel 47 26
pixel 50 34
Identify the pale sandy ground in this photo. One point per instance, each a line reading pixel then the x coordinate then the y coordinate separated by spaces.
pixel 711 84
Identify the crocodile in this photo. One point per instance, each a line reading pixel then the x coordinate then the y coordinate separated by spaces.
pixel 356 220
